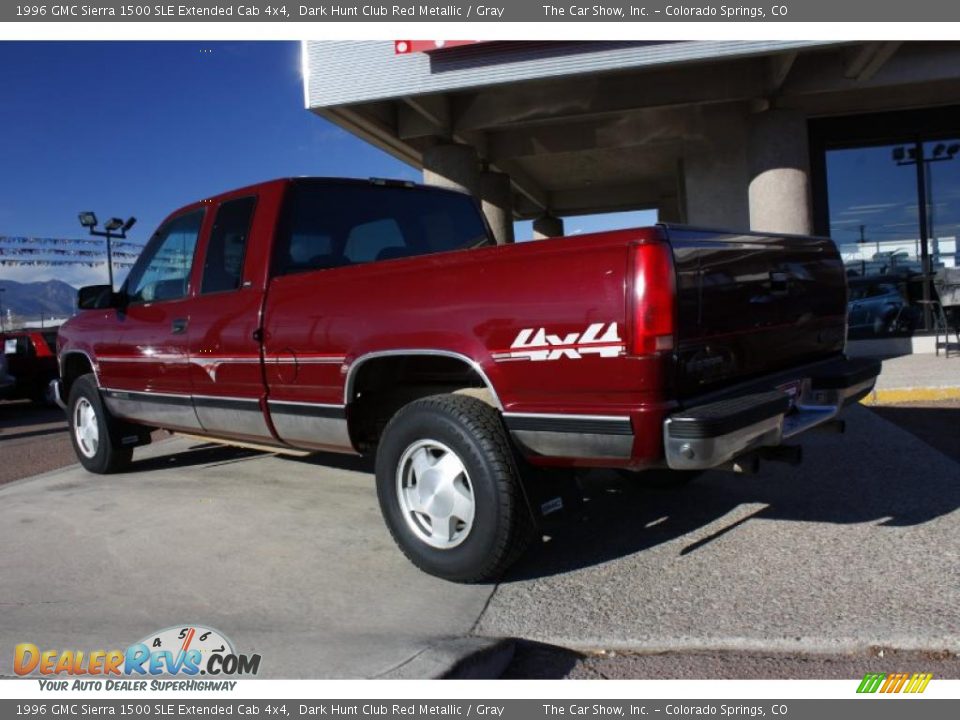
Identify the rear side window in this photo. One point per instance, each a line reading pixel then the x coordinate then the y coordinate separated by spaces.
pixel 328 225
pixel 223 265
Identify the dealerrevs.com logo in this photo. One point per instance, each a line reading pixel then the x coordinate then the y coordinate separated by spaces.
pixel 181 651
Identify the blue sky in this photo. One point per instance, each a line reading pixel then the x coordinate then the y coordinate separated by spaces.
pixel 142 128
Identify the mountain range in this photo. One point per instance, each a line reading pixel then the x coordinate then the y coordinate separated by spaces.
pixel 52 298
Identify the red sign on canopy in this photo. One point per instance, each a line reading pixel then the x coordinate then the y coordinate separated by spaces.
pixel 405 47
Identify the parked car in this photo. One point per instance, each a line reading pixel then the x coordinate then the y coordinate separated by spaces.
pixel 876 307
pixel 381 318
pixel 7 382
pixel 31 357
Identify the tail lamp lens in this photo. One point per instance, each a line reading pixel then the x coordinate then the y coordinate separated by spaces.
pixel 654 301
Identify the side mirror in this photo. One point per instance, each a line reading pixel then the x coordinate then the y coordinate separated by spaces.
pixel 97 297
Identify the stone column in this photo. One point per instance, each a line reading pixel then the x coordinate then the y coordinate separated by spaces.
pixel 779 173
pixel 452 166
pixel 547 226
pixel 496 199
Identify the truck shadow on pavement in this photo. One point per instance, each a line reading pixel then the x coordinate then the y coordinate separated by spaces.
pixel 877 474
pixel 882 480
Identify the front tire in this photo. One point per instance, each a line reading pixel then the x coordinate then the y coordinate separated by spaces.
pixel 449 489
pixel 93 429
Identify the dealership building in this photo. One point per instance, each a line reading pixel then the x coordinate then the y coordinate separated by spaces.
pixel 857 140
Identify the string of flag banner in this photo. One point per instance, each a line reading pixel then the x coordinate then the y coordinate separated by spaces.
pixel 47 252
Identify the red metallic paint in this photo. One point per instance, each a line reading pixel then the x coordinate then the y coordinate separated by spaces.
pixel 317 324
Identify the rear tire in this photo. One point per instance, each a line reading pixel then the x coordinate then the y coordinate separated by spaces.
pixel 93 429
pixel 449 489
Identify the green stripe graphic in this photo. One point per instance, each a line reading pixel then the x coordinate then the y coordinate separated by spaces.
pixel 871 682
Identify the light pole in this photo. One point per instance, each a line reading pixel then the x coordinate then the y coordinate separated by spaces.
pixel 3 321
pixel 914 155
pixel 110 228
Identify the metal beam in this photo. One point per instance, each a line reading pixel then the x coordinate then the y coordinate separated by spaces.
pixel 615 198
pixel 780 66
pixel 864 62
pixel 650 128
pixel 599 95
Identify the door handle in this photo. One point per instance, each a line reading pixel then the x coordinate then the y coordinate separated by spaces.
pixel 179 326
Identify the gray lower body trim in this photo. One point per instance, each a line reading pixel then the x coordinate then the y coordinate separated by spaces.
pixel 572 436
pixel 311 426
pixel 232 417
pixel 160 409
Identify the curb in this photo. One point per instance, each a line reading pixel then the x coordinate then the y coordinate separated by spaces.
pixel 894 396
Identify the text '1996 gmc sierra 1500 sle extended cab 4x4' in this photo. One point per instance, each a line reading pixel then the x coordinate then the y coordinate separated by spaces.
pixel 380 317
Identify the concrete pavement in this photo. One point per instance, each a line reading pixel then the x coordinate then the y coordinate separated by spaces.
pixel 290 559
pixel 859 546
pixel 287 558
pixel 917 378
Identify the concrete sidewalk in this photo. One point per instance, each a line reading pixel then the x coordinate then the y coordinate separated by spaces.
pixel 288 558
pixel 917 378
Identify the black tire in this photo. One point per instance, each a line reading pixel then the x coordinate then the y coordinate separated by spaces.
pixel 105 456
pixel 501 526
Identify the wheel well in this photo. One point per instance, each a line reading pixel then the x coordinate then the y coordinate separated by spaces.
pixel 383 385
pixel 72 366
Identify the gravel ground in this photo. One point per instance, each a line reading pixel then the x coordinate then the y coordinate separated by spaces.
pixel 533 661
pixel 935 424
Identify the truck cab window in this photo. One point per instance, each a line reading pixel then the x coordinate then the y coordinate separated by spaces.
pixel 163 269
pixel 329 225
pixel 223 265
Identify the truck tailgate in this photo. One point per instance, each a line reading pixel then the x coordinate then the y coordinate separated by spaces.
pixel 752 304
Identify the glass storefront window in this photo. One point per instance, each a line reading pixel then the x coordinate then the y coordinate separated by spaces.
pixel 943 202
pixel 889 205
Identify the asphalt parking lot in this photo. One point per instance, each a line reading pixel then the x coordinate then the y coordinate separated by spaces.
pixel 853 552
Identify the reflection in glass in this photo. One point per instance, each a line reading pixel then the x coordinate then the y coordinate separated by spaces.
pixel 943 201
pixel 894 208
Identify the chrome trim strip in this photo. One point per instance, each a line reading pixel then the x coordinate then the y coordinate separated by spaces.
pixel 148 393
pixel 568 416
pixel 229 398
pixel 56 386
pixel 474 365
pixel 143 358
pixel 307 404
pixel 301 360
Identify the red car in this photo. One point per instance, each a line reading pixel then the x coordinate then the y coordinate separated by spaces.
pixel 31 359
pixel 380 317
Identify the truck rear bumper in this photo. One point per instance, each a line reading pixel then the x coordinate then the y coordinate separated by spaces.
pixel 714 433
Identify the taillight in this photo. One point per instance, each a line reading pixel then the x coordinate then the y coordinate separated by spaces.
pixel 654 299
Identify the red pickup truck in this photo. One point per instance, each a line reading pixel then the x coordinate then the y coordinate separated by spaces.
pixel 379 317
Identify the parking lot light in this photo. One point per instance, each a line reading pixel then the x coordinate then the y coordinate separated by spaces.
pixel 114 228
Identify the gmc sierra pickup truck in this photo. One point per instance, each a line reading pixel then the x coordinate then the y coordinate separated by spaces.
pixel 379 317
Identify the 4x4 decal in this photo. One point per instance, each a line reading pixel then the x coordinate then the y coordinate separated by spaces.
pixel 601 339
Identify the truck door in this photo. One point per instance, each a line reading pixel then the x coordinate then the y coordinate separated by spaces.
pixel 143 354
pixel 225 362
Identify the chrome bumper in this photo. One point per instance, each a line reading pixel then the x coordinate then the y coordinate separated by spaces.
pixel 713 434
pixel 55 388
